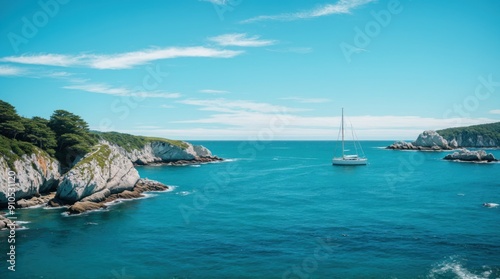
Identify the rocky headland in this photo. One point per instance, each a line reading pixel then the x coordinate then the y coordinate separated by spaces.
pixel 61 162
pixel 478 136
pixel 105 174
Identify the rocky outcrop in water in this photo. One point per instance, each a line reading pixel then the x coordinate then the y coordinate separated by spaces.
pixel 431 139
pixel 428 140
pixel 471 156
pixel 100 201
pixel 104 168
pixel 37 200
pixel 35 173
pixel 6 223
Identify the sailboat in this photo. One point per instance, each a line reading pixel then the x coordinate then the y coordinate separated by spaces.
pixel 349 160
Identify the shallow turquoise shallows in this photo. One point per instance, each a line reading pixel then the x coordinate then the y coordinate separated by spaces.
pixel 280 210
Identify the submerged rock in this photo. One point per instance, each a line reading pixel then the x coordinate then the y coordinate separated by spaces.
pixel 80 207
pixel 6 223
pixel 471 156
pixel 490 204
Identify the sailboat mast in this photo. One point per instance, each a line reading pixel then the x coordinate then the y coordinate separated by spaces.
pixel 342 132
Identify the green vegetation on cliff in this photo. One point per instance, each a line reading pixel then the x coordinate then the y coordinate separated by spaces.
pixel 131 142
pixel 12 150
pixel 100 154
pixel 491 131
pixel 65 136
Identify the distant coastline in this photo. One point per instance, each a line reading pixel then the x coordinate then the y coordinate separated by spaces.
pixel 477 136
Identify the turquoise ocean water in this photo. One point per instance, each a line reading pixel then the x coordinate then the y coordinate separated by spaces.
pixel 280 210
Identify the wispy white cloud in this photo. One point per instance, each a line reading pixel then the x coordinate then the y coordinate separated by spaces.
pixel 242 119
pixel 279 126
pixel 341 7
pixel 60 74
pixel 212 91
pixel 237 106
pixel 102 88
pixel 241 40
pixel 46 59
pixel 300 50
pixel 7 70
pixel 130 59
pixel 495 111
pixel 307 100
pixel 121 60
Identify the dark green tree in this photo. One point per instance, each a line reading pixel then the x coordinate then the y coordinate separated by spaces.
pixel 38 133
pixel 73 137
pixel 10 122
pixel 63 122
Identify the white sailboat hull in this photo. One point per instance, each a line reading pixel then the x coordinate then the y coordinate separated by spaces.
pixel 349 162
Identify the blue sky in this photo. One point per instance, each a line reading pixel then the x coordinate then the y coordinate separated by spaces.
pixel 254 69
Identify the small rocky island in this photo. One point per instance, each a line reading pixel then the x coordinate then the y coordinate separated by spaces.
pixel 471 156
pixel 60 162
pixel 426 141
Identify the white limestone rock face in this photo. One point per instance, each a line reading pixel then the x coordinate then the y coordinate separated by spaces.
pixel 202 151
pixel 35 173
pixel 104 168
pixel 453 143
pixel 169 152
pixel 431 139
pixel 475 141
pixel 160 152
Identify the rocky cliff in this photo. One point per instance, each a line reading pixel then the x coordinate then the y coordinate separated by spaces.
pixel 34 173
pixel 39 156
pixel 164 152
pixel 104 169
pixel 104 172
pixel 473 140
pixel 478 136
